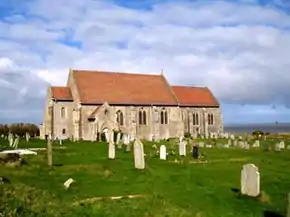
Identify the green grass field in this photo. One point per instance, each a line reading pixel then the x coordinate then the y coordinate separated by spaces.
pixel 169 189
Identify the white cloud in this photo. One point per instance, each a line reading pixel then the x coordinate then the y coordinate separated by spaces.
pixel 241 51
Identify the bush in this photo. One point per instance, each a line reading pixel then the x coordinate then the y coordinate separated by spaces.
pixel 187 135
pixel 257 133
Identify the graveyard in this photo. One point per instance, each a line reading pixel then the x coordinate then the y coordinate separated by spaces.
pixel 107 183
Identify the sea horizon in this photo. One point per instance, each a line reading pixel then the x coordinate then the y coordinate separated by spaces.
pixel 264 127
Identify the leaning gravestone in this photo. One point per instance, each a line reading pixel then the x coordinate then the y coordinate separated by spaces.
pixel 162 152
pixel 250 180
pixel 139 160
pixel 111 150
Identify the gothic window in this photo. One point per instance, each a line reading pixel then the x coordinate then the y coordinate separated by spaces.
pixel 195 119
pixel 62 112
pixel 210 119
pixel 142 117
pixel 120 118
pixel 164 116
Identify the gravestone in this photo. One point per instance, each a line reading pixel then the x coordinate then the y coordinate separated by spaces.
pixel 16 142
pixel 208 146
pixel 118 138
pixel 282 145
pixel 139 160
pixel 68 183
pixel 201 144
pixel 250 180
pixel 111 150
pixel 229 142
pixel 128 147
pixel 226 146
pixel 235 143
pixel 195 152
pixel 277 147
pixel 107 136
pixel 27 136
pixel 182 148
pixel 126 139
pixel 162 152
pixel 256 144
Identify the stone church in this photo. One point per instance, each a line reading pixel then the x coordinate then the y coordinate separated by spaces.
pixel 144 106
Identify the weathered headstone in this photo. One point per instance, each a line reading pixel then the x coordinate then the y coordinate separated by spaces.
pixel 162 152
pixel 250 180
pixel 16 142
pixel 235 143
pixel 111 150
pixel 27 136
pixel 118 138
pixel 128 147
pixel 139 159
pixel 201 144
pixel 256 144
pixel 282 145
pixel 68 183
pixel 195 152
pixel 182 148
pixel 277 147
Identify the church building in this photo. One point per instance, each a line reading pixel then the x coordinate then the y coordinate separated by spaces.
pixel 144 106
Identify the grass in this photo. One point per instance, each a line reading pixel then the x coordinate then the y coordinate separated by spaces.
pixel 172 190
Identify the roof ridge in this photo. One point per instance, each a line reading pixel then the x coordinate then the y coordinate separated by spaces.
pixel 186 86
pixel 113 72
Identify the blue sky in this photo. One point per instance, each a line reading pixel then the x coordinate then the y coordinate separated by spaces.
pixel 240 49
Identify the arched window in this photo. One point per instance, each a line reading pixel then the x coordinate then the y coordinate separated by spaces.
pixel 62 112
pixel 142 117
pixel 140 114
pixel 210 119
pixel 195 119
pixel 164 116
pixel 63 131
pixel 120 118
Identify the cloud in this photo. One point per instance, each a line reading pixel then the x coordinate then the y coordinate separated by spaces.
pixel 238 49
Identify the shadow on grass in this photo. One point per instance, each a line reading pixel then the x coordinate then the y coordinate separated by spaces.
pixel 236 190
pixel 272 214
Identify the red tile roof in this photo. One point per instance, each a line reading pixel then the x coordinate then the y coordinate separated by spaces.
pixel 97 87
pixel 61 93
pixel 194 96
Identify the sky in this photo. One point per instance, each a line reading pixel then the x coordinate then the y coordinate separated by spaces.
pixel 240 49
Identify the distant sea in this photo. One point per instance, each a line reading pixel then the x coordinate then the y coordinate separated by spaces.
pixel 267 128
